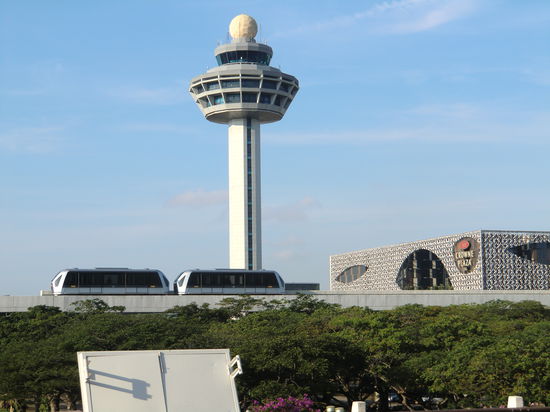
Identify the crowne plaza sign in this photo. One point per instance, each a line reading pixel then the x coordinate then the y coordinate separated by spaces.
pixel 466 254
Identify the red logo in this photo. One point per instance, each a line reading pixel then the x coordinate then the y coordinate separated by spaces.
pixel 464 245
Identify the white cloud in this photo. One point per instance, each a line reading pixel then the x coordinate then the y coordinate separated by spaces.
pixel 395 16
pixel 39 140
pixel 296 211
pixel 199 198
pixel 426 18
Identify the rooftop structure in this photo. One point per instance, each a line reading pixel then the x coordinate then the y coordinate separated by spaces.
pixel 243 91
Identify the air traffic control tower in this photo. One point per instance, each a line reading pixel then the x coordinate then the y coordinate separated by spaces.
pixel 243 92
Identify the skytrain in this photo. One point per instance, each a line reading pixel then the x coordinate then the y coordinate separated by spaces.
pixel 124 281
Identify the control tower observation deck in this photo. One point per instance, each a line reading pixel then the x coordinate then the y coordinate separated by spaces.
pixel 243 92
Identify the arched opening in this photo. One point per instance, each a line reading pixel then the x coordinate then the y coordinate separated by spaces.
pixel 423 270
pixel 351 274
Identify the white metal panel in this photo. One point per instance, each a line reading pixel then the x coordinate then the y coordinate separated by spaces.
pixel 199 380
pixel 121 381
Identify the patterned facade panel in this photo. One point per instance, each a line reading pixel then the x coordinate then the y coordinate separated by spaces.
pixel 505 270
pixel 383 264
pixel 497 267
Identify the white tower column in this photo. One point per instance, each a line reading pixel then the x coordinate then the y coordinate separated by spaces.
pixel 244 91
pixel 245 232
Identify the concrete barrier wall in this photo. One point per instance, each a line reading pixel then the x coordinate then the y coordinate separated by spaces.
pixel 373 300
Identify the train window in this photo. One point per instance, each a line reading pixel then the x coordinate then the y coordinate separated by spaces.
pixel 261 280
pixel 270 280
pixel 194 280
pixel 207 280
pixel 71 280
pixel 239 280
pixel 143 279
pixel 90 279
pixel 113 280
pixel 217 280
pixel 56 282
pixel 233 280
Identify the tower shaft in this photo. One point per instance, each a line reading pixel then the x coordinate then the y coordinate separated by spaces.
pixel 245 231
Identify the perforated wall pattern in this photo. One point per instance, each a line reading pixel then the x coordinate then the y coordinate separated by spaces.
pixel 506 271
pixel 496 268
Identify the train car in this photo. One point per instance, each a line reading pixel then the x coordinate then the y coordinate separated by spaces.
pixel 110 281
pixel 229 281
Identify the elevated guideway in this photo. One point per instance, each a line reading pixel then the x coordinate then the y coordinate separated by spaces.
pixel 373 300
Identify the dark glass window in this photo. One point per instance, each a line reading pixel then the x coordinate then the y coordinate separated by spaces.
pixel 244 56
pixel 251 83
pixel 265 98
pixel 218 99
pixel 351 274
pixel 423 270
pixel 278 100
pixel 212 86
pixel 253 280
pixel 269 84
pixel 249 97
pixel 232 98
pixel 204 102
pixel 284 87
pixel 198 89
pixel 90 279
pixel 114 280
pixel 232 280
pixel 71 280
pixel 194 280
pixel 207 281
pixel 143 279
pixel 270 280
pixel 226 84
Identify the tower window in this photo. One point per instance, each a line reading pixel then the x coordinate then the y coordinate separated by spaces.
pixel 249 97
pixel 204 102
pixel 265 98
pixel 251 83
pixel 218 99
pixel 212 86
pixel 269 84
pixel 232 98
pixel 285 87
pixel 227 84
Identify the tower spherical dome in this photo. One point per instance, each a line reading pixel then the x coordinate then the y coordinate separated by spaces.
pixel 243 27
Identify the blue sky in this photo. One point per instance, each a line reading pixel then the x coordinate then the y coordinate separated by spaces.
pixel 415 119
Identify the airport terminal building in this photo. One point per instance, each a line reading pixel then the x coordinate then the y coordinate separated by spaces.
pixel 479 260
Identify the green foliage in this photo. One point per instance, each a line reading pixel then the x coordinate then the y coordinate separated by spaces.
pixel 468 355
pixel 95 305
